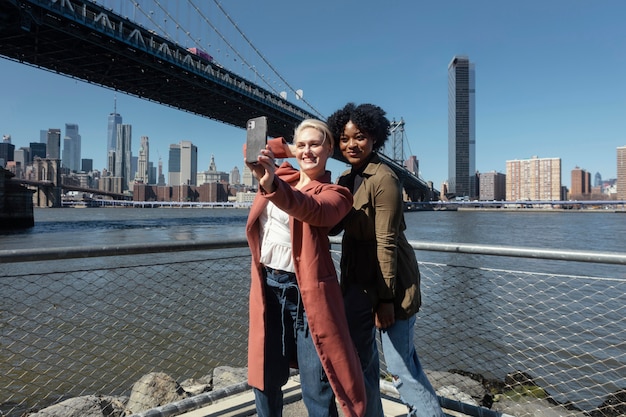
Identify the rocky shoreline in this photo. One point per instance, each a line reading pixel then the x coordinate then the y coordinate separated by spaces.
pixel 517 395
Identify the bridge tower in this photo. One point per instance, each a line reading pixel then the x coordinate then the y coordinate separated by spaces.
pixel 48 173
pixel 396 130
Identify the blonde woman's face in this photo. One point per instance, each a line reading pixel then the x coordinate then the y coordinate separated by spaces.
pixel 312 151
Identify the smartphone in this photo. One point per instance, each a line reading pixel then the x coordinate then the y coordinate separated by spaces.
pixel 256 138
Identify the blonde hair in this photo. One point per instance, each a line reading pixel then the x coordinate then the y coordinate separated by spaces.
pixel 317 125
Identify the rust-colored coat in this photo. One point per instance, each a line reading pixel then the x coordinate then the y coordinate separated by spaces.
pixel 313 211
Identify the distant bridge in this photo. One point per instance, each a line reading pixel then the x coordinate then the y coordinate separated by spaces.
pixel 84 40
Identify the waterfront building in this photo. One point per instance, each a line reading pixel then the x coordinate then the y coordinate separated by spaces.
pixel 53 144
pixel 183 164
pixel 492 186
pixel 245 197
pixel 533 179
pixel 621 173
pixel 123 155
pixel 462 128
pixel 143 173
pixel 581 184
pixel 71 147
pixel 212 175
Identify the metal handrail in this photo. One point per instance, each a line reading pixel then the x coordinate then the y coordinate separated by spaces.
pixel 44 254
pixel 617 258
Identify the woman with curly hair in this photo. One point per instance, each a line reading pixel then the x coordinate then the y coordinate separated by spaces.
pixel 379 272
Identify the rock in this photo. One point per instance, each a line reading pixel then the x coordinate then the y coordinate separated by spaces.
pixel 225 376
pixel 86 406
pixel 532 407
pixel 470 386
pixel 198 386
pixel 454 393
pixel 154 390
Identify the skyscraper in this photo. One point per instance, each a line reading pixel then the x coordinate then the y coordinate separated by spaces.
pixel 71 147
pixel 461 128
pixel 621 173
pixel 183 164
pixel 38 149
pixel 143 172
pixel 123 155
pixel 114 120
pixel 53 144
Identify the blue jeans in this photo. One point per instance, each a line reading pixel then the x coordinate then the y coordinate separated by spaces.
pixel 288 339
pixel 363 332
pixel 402 362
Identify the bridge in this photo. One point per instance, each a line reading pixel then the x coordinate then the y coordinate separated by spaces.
pixel 84 40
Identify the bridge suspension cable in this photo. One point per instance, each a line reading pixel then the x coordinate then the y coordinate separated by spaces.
pixel 168 15
pixel 265 60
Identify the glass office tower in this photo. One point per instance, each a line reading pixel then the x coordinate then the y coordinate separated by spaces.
pixel 461 128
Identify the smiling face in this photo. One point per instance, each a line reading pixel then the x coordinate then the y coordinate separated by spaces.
pixel 313 149
pixel 355 146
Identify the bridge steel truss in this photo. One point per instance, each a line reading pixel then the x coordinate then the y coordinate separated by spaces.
pixel 86 41
pixel 83 40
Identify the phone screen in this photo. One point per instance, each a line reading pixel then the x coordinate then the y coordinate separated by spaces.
pixel 256 138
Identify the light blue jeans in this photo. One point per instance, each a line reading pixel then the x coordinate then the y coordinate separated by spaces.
pixel 287 337
pixel 402 362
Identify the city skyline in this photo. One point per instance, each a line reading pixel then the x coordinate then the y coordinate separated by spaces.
pixel 548 84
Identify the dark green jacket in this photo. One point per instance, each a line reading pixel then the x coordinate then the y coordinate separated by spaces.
pixel 375 251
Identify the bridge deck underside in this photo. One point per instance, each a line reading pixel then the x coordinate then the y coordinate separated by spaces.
pixel 32 35
pixel 41 39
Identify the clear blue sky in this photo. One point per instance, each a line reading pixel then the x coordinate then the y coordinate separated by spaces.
pixel 550 80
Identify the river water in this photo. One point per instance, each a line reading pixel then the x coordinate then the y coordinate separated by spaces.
pixel 603 231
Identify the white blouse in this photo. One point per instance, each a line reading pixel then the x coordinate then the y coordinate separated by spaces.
pixel 276 239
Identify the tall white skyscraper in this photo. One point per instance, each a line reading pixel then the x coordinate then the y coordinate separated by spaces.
pixel 461 128
pixel 71 147
pixel 123 155
pixel 143 171
pixel 114 120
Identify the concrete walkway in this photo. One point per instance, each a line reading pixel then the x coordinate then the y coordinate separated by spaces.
pixel 242 404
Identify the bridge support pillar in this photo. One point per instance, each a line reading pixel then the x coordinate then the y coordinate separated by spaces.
pixel 48 171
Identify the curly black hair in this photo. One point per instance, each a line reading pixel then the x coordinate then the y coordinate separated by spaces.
pixel 368 118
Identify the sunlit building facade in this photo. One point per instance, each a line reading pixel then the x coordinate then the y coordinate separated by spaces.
pixel 621 173
pixel 535 179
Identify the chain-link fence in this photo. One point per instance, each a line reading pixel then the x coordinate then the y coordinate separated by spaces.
pixel 81 321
